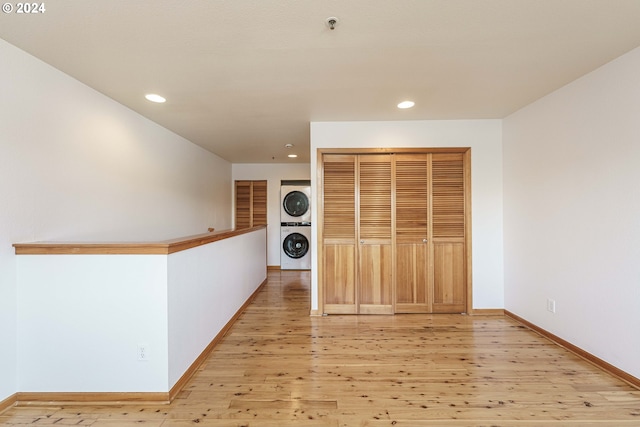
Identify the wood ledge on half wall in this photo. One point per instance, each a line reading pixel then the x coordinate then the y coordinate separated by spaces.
pixel 164 247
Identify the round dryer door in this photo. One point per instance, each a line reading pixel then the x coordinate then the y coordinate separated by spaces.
pixel 295 203
pixel 295 245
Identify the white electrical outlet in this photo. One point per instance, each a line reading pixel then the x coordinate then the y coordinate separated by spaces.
pixel 143 352
pixel 551 305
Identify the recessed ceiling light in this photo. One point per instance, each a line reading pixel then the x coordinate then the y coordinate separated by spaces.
pixel 293 156
pixel 155 98
pixel 406 104
pixel 288 145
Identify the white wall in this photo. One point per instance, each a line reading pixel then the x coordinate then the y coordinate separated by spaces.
pixel 207 286
pixel 485 139
pixel 82 317
pixel 572 212
pixel 273 173
pixel 8 313
pixel 75 165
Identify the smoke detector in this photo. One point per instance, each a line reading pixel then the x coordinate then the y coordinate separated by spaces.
pixel 332 21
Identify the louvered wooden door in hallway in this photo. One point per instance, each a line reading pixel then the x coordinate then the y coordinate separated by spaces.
pixel 375 255
pixel 394 233
pixel 251 203
pixel 430 233
pixel 357 234
pixel 338 264
pixel 448 225
pixel 412 258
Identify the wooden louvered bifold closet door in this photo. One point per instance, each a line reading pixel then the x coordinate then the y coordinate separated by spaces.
pixel 412 191
pixel 243 204
pixel 259 203
pixel 339 234
pixel 448 219
pixel 251 203
pixel 393 234
pixel 375 276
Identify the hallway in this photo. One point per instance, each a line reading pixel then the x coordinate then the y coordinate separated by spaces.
pixel 279 367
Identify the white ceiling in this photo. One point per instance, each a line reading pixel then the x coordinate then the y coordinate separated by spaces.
pixel 245 77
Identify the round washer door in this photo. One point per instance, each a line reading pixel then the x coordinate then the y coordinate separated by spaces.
pixel 295 203
pixel 295 245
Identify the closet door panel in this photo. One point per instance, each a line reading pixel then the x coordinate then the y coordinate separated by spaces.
pixel 449 289
pixel 412 233
pixel 339 234
pixel 251 203
pixel 375 258
pixel 412 278
pixel 448 196
pixel 339 279
pixel 412 198
pixel 449 278
pixel 243 204
pixel 259 203
pixel 375 279
pixel 339 197
pixel 375 197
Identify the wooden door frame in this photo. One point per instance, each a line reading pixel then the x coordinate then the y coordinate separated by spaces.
pixel 319 200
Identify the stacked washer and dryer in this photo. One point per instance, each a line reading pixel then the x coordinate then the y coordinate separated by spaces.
pixel 295 225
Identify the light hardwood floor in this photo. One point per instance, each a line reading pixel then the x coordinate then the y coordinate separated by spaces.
pixel 279 367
